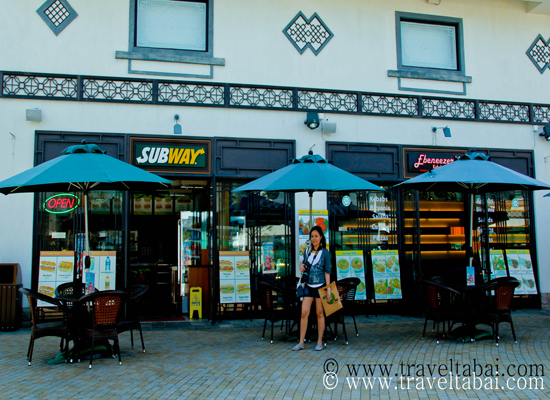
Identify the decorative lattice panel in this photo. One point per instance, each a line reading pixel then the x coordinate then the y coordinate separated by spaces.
pixel 541 114
pixel 260 97
pixel 539 53
pixel 503 112
pixel 118 90
pixel 191 93
pixel 306 33
pixel 57 14
pixel 390 105
pixel 40 86
pixel 445 108
pixel 30 85
pixel 327 101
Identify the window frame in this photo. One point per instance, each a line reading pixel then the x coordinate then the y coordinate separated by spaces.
pixel 403 71
pixel 172 55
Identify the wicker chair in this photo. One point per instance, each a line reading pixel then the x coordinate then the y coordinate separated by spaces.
pixel 68 289
pixel 348 302
pixel 133 313
pixel 276 306
pixel 344 286
pixel 45 329
pixel 105 308
pixel 500 310
pixel 440 306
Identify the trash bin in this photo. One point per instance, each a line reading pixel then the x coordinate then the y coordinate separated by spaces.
pixel 10 298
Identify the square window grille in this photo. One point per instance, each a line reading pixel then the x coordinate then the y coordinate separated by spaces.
pixel 57 14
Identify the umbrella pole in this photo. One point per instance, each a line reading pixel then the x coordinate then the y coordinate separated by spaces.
pixel 310 210
pixel 471 256
pixel 87 250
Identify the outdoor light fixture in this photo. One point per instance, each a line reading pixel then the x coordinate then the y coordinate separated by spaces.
pixel 33 114
pixel 545 132
pixel 446 130
pixel 177 127
pixel 312 120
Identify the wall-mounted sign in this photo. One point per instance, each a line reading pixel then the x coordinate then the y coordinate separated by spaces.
pixel 61 203
pixel 171 155
pixel 419 161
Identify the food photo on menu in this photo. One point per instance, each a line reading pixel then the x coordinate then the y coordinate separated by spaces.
pixel 226 266
pixel 343 265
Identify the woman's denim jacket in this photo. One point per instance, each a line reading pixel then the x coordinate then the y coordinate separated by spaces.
pixel 317 271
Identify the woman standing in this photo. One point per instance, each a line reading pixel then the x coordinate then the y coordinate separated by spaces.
pixel 317 261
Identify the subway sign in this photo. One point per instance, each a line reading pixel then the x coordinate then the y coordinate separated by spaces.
pixel 171 155
pixel 61 203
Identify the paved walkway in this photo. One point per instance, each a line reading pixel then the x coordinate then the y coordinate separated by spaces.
pixel 196 360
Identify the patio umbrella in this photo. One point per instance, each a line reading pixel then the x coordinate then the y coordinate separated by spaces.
pixel 309 174
pixel 473 174
pixel 83 168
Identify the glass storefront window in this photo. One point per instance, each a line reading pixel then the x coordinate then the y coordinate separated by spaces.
pixel 435 233
pixel 60 231
pixel 258 223
pixel 363 221
pixel 507 214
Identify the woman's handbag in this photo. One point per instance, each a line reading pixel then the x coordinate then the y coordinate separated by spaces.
pixel 300 290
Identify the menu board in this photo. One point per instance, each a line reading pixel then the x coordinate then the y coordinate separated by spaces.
pixel 183 203
pixel 497 264
pixel 386 274
pixel 102 272
pixel 320 218
pixel 100 202
pixel 56 267
pixel 235 277
pixel 521 268
pixel 351 264
pixel 143 205
pixel 163 205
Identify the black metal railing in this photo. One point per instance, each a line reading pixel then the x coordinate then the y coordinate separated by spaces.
pixel 151 91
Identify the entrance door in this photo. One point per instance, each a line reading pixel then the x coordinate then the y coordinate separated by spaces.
pixel 435 226
pixel 155 245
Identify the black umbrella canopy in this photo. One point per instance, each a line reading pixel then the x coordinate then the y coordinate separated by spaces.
pixel 81 168
pixel 310 173
pixel 473 173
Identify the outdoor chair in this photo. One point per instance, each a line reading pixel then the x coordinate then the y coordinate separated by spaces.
pixel 78 289
pixel 70 288
pixel 45 329
pixel 348 302
pixel 277 306
pixel 441 305
pixel 344 286
pixel 104 308
pixel 133 313
pixel 500 305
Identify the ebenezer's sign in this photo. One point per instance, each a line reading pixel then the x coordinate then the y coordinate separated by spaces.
pixel 424 160
pixel 171 155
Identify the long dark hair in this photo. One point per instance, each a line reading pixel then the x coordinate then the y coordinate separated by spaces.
pixel 323 243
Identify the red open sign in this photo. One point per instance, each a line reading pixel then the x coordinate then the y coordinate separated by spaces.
pixel 61 203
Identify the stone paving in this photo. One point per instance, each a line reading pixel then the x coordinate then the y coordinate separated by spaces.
pixel 197 360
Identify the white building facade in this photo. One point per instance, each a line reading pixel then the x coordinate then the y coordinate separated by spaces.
pixel 241 77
